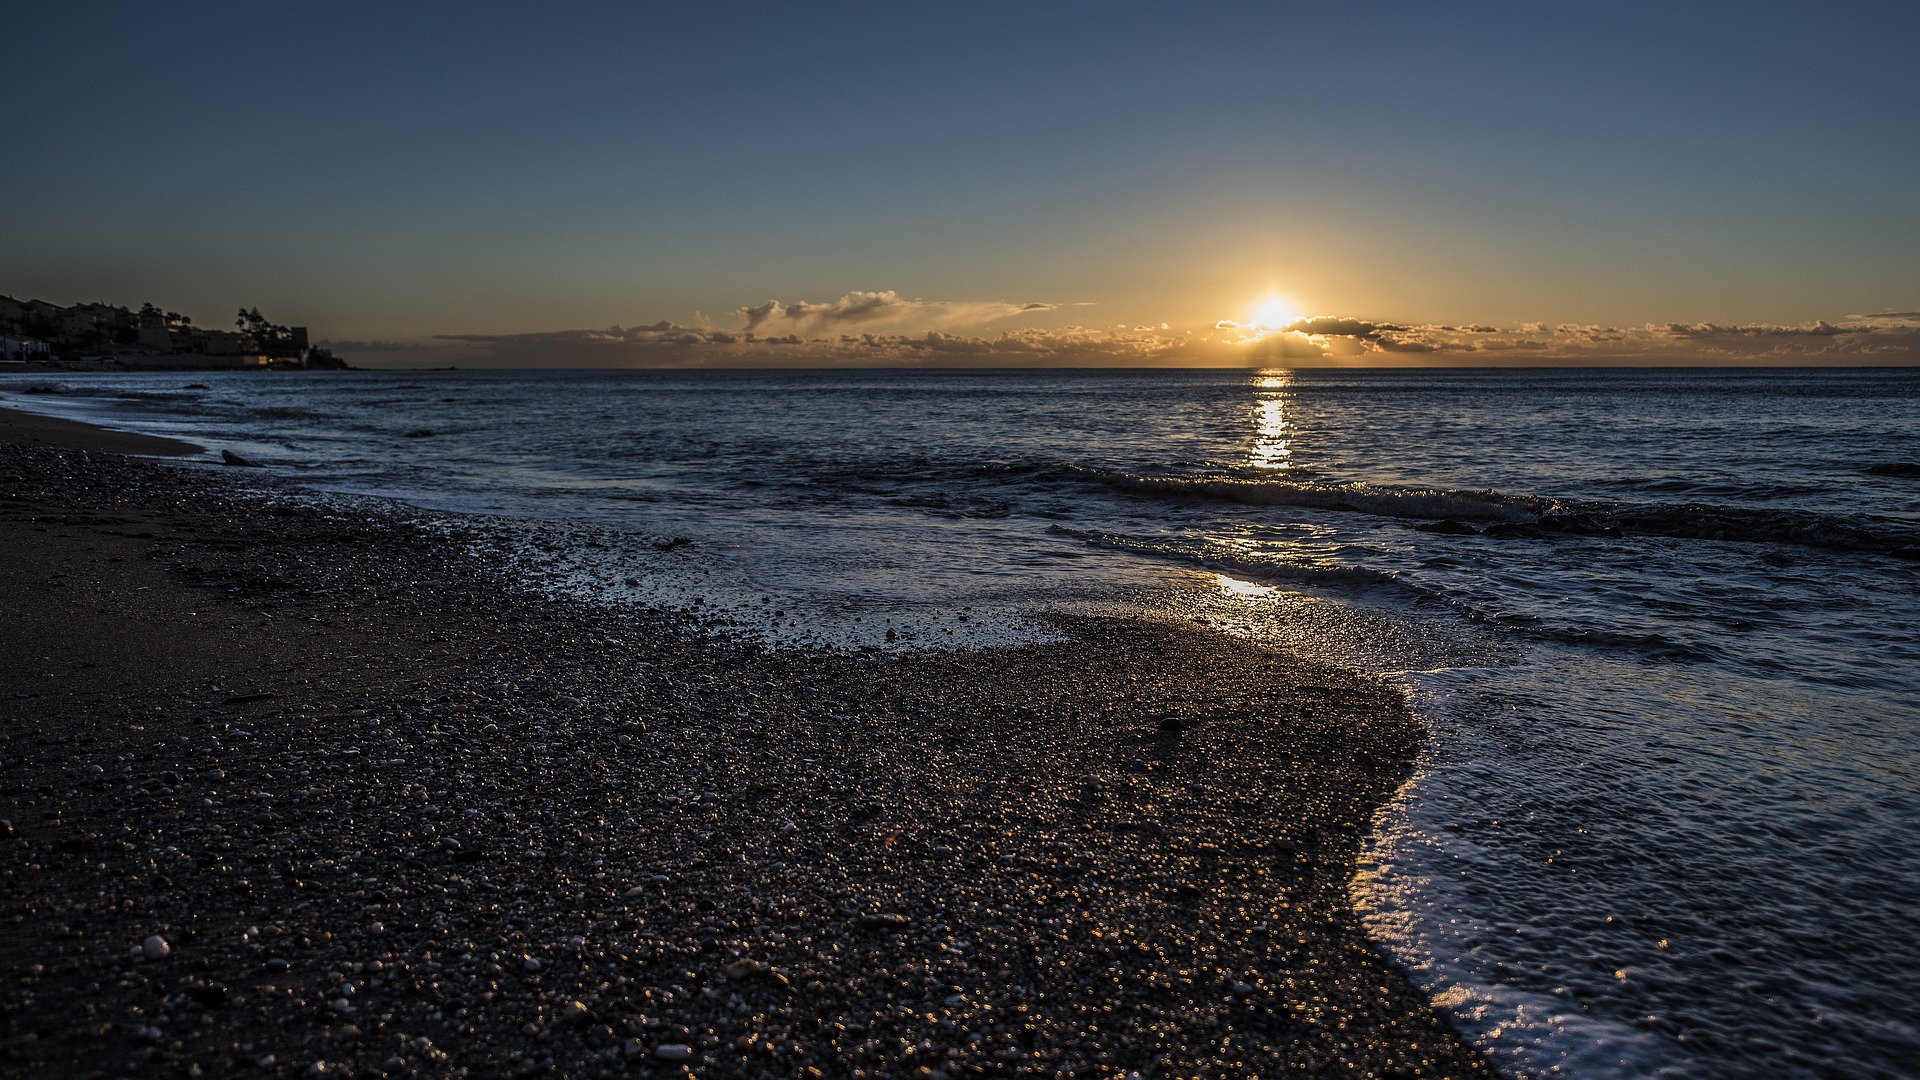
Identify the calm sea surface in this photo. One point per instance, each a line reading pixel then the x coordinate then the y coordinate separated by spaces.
pixel 1664 626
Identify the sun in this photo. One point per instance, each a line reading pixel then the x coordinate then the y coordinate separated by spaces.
pixel 1273 313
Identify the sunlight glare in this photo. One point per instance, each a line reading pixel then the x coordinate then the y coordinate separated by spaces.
pixel 1274 313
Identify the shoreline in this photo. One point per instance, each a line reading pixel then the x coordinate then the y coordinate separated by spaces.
pixel 27 428
pixel 393 815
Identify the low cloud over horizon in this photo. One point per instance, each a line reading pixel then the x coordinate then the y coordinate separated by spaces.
pixel 877 308
pixel 884 329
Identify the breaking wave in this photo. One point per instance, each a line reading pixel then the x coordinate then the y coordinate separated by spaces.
pixel 1507 516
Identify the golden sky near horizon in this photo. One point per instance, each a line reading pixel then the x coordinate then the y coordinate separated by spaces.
pixel 1074 184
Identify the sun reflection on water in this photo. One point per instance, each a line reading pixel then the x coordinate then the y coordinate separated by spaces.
pixel 1271 447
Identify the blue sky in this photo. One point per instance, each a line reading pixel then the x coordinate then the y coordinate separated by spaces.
pixel 494 172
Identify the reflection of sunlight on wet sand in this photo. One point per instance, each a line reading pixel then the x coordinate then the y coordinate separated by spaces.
pixel 1236 587
pixel 1271 449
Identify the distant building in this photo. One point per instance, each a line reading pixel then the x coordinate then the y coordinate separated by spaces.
pixel 97 333
pixel 194 361
pixel 220 343
pixel 23 348
pixel 86 318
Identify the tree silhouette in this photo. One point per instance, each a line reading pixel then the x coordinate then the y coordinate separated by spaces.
pixel 270 338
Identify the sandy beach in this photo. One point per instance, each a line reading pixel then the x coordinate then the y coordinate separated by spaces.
pixel 32 429
pixel 294 791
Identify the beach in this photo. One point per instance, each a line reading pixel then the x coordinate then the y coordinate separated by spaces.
pixel 301 791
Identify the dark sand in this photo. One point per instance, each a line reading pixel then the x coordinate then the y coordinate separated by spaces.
pixel 393 818
pixel 32 429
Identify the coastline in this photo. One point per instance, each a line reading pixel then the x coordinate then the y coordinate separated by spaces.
pixel 393 816
pixel 35 429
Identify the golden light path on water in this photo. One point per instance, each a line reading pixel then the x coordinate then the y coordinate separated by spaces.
pixel 1271 444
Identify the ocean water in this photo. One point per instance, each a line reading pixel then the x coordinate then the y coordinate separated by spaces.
pixel 1664 626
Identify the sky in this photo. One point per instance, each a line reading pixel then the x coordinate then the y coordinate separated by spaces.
pixel 982 184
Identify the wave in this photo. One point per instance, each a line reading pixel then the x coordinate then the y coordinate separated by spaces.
pixel 1240 566
pixel 1478 512
pixel 283 412
pixel 1802 527
pixel 1431 503
pixel 1347 578
pixel 149 395
pixel 1693 521
pixel 1697 490
pixel 1653 646
pixel 1505 516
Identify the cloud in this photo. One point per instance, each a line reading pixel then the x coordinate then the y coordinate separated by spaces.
pixel 1590 332
pixel 1339 335
pixel 1331 326
pixel 667 344
pixel 376 346
pixel 1407 345
pixel 1820 328
pixel 1286 345
pixel 862 308
pixel 881 329
pixel 1820 342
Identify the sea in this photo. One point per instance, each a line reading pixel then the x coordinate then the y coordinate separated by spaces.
pixel 1662 626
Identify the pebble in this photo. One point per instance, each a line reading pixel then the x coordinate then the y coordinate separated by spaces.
pixel 156 948
pixel 745 969
pixel 935 840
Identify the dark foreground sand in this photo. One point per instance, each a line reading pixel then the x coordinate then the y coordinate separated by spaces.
pixel 32 429
pixel 391 818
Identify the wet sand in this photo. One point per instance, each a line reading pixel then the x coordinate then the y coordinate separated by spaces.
pixel 32 429
pixel 386 815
